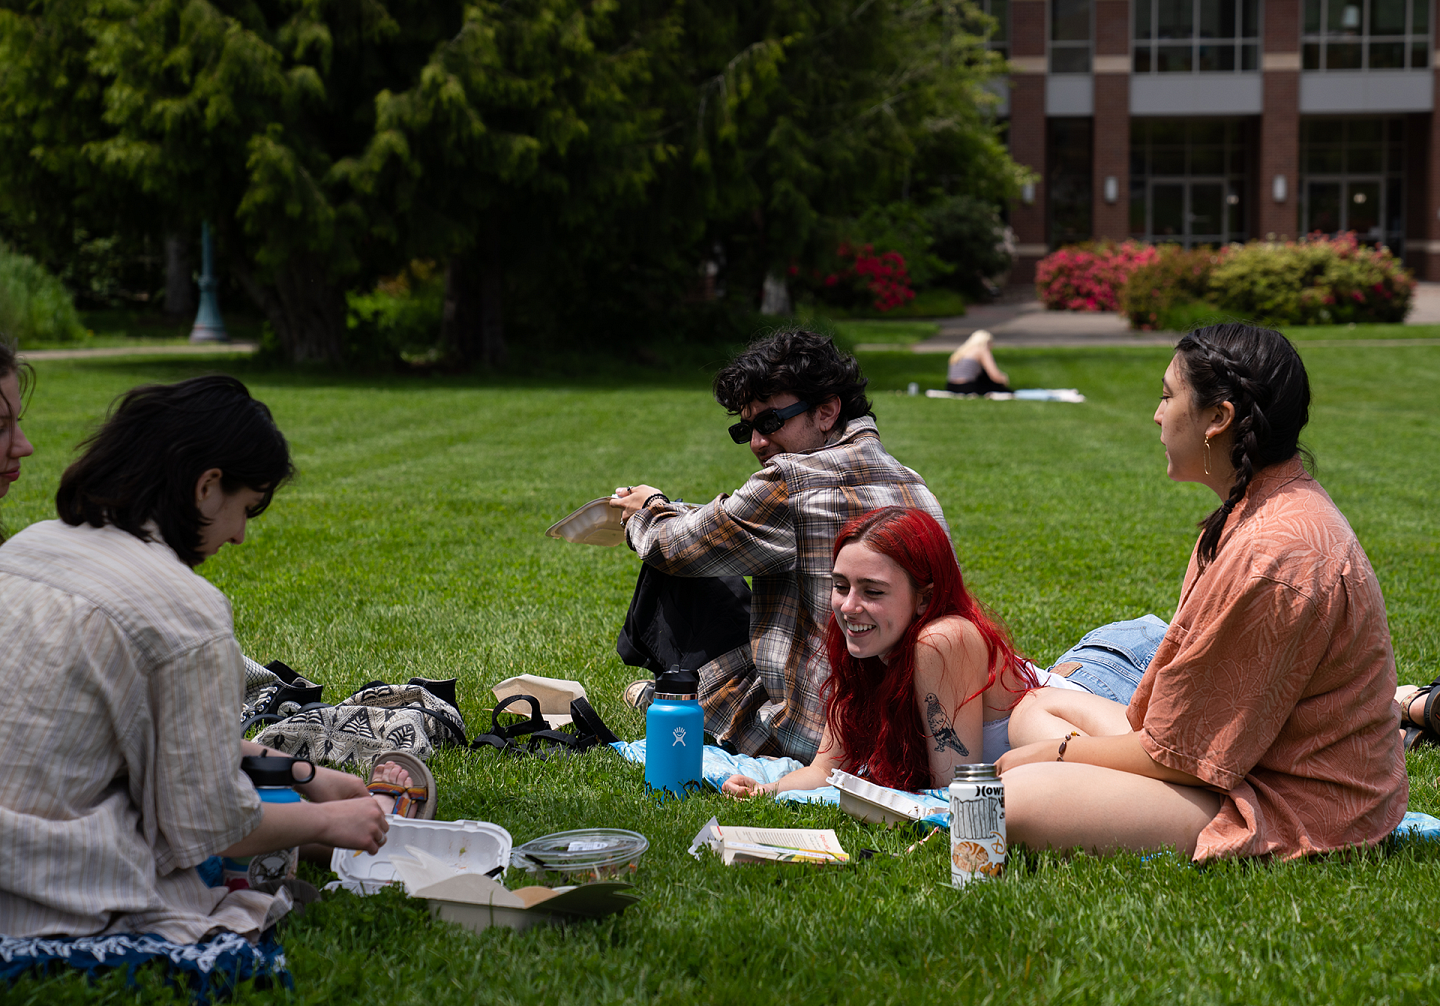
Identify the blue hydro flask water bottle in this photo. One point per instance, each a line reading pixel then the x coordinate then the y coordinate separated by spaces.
pixel 274 778
pixel 674 733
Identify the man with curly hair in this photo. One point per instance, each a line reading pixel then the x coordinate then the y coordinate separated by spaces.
pixel 803 412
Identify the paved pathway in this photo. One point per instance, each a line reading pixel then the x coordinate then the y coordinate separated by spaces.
pixel 1025 322
pixel 188 349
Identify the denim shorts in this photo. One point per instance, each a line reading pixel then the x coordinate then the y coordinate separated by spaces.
pixel 1113 657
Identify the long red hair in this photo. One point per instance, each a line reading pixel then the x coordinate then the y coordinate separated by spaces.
pixel 870 705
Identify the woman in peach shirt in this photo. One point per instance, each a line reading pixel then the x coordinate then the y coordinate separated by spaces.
pixel 1266 722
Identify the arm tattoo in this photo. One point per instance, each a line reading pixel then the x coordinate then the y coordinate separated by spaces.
pixel 941 728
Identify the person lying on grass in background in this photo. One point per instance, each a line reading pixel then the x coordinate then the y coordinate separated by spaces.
pixel 922 679
pixel 1266 723
pixel 120 678
pixel 804 415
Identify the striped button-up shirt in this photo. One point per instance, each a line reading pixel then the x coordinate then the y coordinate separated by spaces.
pixel 778 528
pixel 121 678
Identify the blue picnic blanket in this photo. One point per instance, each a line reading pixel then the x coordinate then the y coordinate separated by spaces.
pixel 717 765
pixel 210 969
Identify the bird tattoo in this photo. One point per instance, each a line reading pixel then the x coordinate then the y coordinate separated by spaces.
pixel 941 728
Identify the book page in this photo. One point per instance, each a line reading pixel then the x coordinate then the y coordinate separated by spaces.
pixel 823 840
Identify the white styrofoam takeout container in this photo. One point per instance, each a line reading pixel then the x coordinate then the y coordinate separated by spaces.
pixel 874 804
pixel 468 846
pixel 595 523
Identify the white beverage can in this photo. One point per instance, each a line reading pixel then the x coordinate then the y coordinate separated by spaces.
pixel 977 824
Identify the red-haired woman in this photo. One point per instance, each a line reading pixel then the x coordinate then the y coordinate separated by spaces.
pixel 910 653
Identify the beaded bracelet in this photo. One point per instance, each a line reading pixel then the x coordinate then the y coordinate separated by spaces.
pixel 652 498
pixel 1066 743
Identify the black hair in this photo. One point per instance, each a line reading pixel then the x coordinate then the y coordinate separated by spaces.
pixel 144 461
pixel 1259 372
pixel 806 364
pixel 11 364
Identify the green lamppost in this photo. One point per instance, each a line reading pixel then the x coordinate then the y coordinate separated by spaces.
pixel 209 326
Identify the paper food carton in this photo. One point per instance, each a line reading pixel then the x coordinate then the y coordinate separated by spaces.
pixel 478 902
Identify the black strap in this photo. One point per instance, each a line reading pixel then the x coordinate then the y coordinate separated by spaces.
pixel 502 738
pixel 592 728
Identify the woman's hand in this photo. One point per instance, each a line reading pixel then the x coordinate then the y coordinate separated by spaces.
pixel 353 824
pixel 632 499
pixel 741 787
pixel 330 784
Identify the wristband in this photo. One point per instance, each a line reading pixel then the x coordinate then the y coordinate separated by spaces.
pixel 1060 756
pixel 652 498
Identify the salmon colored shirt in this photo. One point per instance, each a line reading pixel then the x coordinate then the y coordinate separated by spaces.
pixel 1275 683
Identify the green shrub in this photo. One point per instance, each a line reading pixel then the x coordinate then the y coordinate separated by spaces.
pixel 34 305
pixel 969 236
pixel 1316 281
pixel 1165 293
pixel 400 318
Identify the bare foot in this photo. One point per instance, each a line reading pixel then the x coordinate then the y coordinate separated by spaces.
pixel 389 772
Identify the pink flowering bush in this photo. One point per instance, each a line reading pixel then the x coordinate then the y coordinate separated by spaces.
pixel 1090 277
pixel 860 274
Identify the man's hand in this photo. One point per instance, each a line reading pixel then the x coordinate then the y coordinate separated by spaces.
pixel 632 499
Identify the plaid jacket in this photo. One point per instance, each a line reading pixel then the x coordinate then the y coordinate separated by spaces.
pixel 778 528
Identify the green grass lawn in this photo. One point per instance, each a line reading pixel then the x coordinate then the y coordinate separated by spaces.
pixel 412 543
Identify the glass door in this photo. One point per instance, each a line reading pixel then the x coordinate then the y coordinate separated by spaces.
pixel 1333 206
pixel 1193 212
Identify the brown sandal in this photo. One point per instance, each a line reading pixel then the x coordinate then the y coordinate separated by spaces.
pixel 416 800
pixel 1427 731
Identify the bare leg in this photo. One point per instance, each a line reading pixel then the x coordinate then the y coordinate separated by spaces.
pixel 1051 713
pixel 1064 806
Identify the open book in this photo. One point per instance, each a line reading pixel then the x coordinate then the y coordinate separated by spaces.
pixel 776 845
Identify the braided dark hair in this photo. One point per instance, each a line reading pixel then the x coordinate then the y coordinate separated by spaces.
pixel 1258 371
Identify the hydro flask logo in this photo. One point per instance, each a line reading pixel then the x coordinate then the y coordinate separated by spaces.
pixel 679 737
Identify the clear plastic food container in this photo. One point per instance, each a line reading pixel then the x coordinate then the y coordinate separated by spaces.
pixel 578 857
pixel 595 523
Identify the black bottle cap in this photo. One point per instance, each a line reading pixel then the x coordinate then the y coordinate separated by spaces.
pixel 276 770
pixel 678 681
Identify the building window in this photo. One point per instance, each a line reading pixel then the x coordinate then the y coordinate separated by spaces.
pixel 1352 178
pixel 1187 36
pixel 1070 33
pixel 1187 181
pixel 1366 35
pixel 999 39
pixel 1068 145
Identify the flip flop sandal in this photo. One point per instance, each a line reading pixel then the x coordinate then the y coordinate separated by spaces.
pixel 416 800
pixel 1427 732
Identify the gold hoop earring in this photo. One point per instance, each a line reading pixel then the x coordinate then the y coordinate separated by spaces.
pixel 1207 455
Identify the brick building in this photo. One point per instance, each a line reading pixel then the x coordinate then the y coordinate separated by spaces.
pixel 1205 121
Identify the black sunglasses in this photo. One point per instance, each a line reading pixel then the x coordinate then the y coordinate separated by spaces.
pixel 766 422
